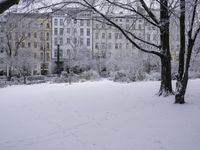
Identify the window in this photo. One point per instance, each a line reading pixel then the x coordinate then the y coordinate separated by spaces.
pixel 116 36
pixel 103 36
pixel 127 26
pixel 81 41
pixel 109 35
pixel 35 35
pixel 68 30
pixel 1 40
pixel 120 35
pixel 29 45
pixel 88 41
pixel 155 37
pixel 68 21
pixel 48 56
pixel 35 55
pixel 55 22
pixel 81 23
pixel 41 46
pixel 97 45
pixel 29 35
pixel 97 26
pixel 110 45
pixel 81 31
pixel 88 23
pixel 41 56
pixel 48 26
pixel 35 44
pixel 55 41
pixel 103 45
pixel 23 44
pixel 61 41
pixel 68 40
pixel 61 22
pixel 55 31
pixel 47 46
pixel 127 45
pixel 41 36
pixel 120 45
pixel 139 26
pixel 47 36
pixel 75 40
pixel 148 37
pixel 75 30
pixel 61 31
pixel 116 45
pixel 88 32
pixel 96 35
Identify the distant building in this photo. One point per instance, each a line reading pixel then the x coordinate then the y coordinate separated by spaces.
pixel 75 29
pixel 71 30
pixel 2 44
pixel 32 31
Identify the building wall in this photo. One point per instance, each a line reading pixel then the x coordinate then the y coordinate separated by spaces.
pixel 2 46
pixel 35 32
pixel 72 31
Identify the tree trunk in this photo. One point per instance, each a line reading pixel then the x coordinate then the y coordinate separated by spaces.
pixel 24 79
pixel 9 74
pixel 166 83
pixel 181 87
pixel 182 77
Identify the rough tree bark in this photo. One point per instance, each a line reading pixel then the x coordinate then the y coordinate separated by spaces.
pixel 183 72
pixel 181 82
pixel 166 83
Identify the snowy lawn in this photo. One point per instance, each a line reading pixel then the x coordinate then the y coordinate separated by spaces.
pixel 99 115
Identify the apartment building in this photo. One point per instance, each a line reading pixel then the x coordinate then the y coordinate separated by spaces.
pixel 75 30
pixel 108 39
pixel 32 31
pixel 71 32
pixel 2 44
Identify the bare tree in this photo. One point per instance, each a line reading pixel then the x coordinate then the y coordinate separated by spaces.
pixel 24 62
pixel 188 39
pixel 162 23
pixel 12 46
pixel 6 4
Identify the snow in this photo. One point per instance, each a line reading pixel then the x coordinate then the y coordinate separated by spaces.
pixel 100 115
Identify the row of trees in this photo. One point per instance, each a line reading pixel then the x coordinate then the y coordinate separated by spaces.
pixel 185 11
pixel 188 34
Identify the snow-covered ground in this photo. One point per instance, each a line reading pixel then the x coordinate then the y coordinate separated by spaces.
pixel 99 115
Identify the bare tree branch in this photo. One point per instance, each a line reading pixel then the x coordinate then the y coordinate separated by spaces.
pixel 6 4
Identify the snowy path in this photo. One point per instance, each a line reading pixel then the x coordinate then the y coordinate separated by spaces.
pixel 98 116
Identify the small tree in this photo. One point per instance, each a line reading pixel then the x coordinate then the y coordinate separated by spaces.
pixel 24 63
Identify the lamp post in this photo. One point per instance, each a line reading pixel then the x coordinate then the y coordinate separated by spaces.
pixel 58 60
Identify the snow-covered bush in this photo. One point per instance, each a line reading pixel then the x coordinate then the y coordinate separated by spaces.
pixel 120 76
pixel 90 75
pixel 36 78
pixel 153 76
pixel 194 75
